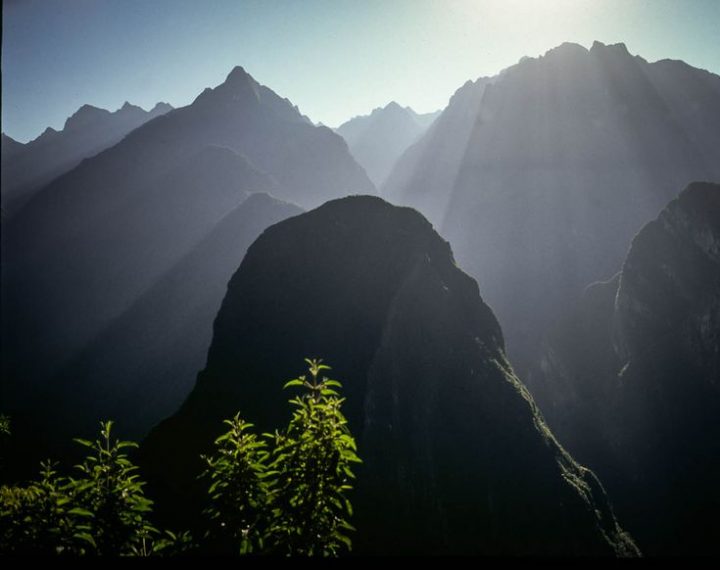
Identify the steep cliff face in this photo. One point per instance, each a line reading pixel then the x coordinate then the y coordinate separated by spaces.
pixel 630 384
pixel 565 156
pixel 456 456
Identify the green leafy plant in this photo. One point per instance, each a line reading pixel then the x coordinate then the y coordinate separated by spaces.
pixel 289 495
pixel 101 512
pixel 42 517
pixel 313 462
pixel 239 490
pixel 5 433
pixel 284 493
pixel 4 425
pixel 111 494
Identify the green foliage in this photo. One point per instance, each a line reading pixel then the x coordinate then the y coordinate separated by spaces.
pixel 110 493
pixel 101 512
pixel 313 465
pixel 42 518
pixel 239 490
pixel 4 425
pixel 284 493
pixel 289 497
pixel 4 438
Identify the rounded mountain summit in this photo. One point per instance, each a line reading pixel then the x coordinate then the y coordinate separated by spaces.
pixel 456 457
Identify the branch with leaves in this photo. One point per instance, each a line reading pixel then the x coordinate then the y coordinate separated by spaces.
pixel 289 493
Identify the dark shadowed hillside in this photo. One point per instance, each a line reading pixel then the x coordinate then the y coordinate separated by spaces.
pixel 377 140
pixel 629 380
pixel 456 456
pixel 142 366
pixel 563 158
pixel 90 130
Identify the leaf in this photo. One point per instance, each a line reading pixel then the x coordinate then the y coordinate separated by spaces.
pixel 87 537
pixel 81 512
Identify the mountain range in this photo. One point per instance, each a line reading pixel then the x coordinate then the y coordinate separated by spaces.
pixel 540 176
pixel 377 140
pixel 83 253
pixel 538 298
pixel 28 167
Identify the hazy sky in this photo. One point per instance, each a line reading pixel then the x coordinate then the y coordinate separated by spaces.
pixel 333 58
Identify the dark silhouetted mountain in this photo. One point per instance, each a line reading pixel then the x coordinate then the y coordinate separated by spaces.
pixel 89 246
pixel 562 159
pixel 89 131
pixel 456 457
pixel 377 140
pixel 629 380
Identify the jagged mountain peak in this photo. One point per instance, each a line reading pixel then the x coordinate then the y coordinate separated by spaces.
pixel 567 48
pixel 127 106
pixel 392 107
pixel 378 139
pixel 48 132
pixel 239 89
pixel 618 48
pixel 238 74
pixel 161 107
pixel 85 115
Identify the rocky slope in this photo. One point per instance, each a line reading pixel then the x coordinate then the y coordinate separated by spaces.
pixel 629 381
pixel 562 159
pixel 377 140
pixel 87 132
pixel 457 458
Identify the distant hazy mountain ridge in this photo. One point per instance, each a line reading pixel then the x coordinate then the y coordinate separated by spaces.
pixel 377 140
pixel 540 177
pixel 88 131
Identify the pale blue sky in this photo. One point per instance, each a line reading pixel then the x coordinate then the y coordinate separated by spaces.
pixel 333 58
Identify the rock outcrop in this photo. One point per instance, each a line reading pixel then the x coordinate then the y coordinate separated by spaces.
pixel 629 381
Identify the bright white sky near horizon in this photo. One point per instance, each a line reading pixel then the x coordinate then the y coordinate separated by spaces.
pixel 335 59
